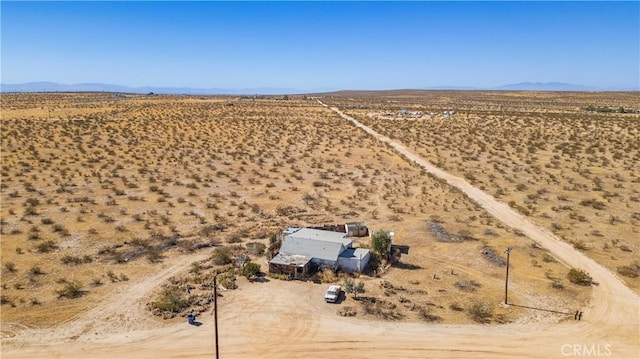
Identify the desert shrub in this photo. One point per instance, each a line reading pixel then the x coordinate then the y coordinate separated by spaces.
pixel 625 248
pixel 36 271
pixel 154 256
pixel 279 276
pixel 34 236
pixel 437 230
pixel 579 244
pixel 196 268
pixel 4 299
pixel 380 308
pixel 34 301
pixel 502 318
pixel 493 256
pixel 593 203
pixel 631 270
pixel 112 276
pixel 256 248
pixel 347 311
pixel 71 260
pixel 465 235
pixel 557 285
pixel 250 270
pixel 327 275
pixel 234 238
pixel 480 311
pixel 10 267
pixel 58 228
pixel 71 290
pixel 579 277
pixel 139 242
pixel 427 315
pixel 119 257
pixel 171 299
pixel 46 247
pixel 221 256
pixel 228 280
pixel 106 250
pixel 467 285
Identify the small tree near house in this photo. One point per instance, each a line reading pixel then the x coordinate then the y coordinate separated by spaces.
pixel 381 243
pixel 251 270
pixel 350 286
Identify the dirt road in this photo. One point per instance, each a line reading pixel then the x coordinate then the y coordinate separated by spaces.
pixel 279 319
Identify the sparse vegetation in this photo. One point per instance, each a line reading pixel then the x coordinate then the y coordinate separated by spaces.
pixel 122 183
pixel 250 270
pixel 171 300
pixel 222 256
pixel 347 311
pixel 631 270
pixel 71 290
pixel 580 277
pixel 480 311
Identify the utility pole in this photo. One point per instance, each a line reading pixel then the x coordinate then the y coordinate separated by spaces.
pixel 215 310
pixel 506 279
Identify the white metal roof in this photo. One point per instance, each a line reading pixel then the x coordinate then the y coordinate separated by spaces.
pixel 318 234
pixel 325 245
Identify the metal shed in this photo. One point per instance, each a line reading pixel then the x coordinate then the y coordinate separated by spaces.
pixel 356 229
pixel 354 259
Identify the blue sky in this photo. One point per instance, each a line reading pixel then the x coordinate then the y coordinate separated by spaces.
pixel 319 45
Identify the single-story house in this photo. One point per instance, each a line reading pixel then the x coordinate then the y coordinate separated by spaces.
pixel 307 246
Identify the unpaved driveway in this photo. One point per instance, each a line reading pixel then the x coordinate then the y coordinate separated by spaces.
pixel 289 319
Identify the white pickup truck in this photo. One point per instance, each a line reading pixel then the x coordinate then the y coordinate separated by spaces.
pixel 333 293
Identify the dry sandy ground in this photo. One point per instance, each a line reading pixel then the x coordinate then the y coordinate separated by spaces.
pixel 289 319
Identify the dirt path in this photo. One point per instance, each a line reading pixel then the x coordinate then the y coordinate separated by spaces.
pixel 122 313
pixel 280 319
pixel 612 302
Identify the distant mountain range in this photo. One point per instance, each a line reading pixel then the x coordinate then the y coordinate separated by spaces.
pixel 545 86
pixel 100 87
pixel 526 86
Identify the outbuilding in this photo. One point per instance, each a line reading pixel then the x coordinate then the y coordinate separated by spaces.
pixel 354 259
pixel 295 266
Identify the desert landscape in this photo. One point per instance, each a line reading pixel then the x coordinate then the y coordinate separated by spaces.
pixel 118 210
